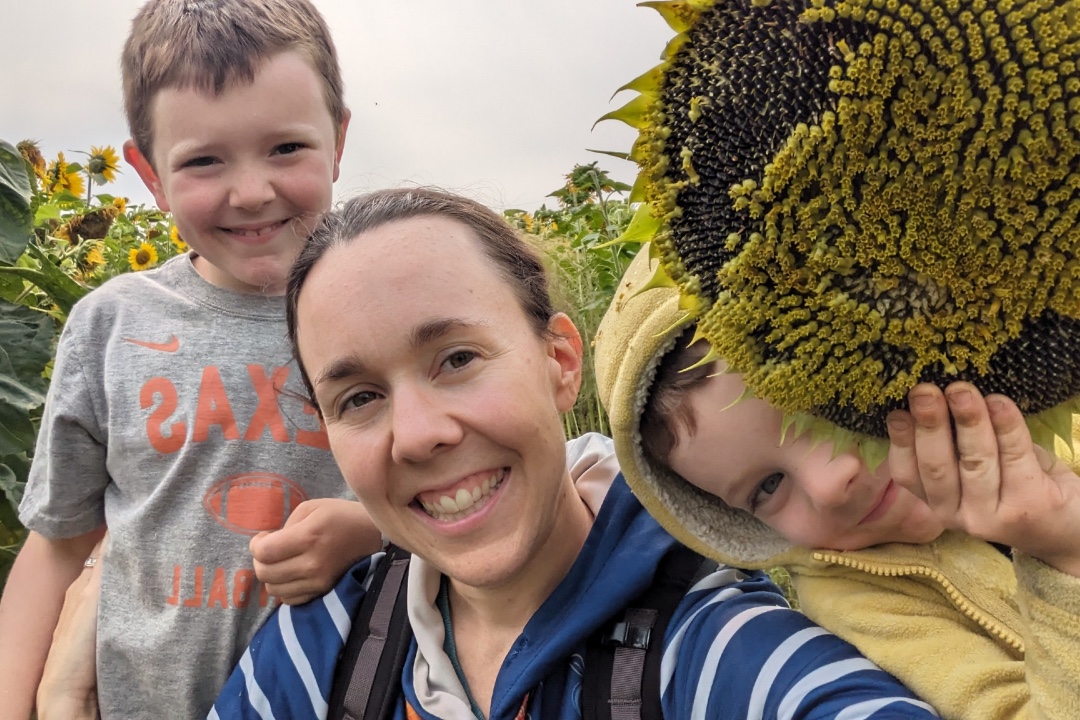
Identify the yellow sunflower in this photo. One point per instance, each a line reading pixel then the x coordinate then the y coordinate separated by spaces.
pixel 120 203
pixel 103 164
pixel 142 257
pixel 174 235
pixel 95 257
pixel 59 178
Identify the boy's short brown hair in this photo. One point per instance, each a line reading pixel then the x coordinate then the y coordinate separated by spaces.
pixel 208 44
pixel 666 409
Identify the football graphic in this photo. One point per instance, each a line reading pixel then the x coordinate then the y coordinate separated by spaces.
pixel 249 503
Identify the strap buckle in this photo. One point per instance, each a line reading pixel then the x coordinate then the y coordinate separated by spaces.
pixel 626 634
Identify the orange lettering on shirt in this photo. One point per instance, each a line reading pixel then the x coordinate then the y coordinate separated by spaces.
pixel 313 438
pixel 155 423
pixel 218 594
pixel 174 599
pixel 242 582
pixel 264 596
pixel 267 414
pixel 213 408
pixel 196 599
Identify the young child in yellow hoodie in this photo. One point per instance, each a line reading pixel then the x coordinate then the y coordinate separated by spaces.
pixel 904 578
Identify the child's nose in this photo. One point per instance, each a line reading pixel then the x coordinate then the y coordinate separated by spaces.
pixel 251 189
pixel 829 485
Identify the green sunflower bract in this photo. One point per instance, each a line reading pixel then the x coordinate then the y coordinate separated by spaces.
pixel 857 196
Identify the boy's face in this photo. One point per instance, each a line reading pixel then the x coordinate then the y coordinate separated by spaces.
pixel 801 490
pixel 246 173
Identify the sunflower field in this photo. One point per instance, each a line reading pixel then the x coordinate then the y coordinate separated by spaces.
pixel 62 234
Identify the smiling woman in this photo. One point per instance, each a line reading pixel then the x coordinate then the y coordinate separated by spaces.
pixel 425 333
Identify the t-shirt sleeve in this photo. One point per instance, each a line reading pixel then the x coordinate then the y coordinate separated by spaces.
pixel 68 475
pixel 735 649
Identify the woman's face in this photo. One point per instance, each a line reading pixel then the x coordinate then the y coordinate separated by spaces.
pixel 441 401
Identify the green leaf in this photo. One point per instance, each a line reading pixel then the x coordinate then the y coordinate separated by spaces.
pixel 16 430
pixel 16 220
pixel 26 343
pixel 64 291
pixel 48 211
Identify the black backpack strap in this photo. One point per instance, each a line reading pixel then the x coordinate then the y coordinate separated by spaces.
pixel 622 662
pixel 368 675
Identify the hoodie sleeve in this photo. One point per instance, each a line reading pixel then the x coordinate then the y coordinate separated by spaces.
pixel 735 649
pixel 1050 603
pixel 288 669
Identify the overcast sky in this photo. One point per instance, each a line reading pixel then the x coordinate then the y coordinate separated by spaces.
pixel 494 98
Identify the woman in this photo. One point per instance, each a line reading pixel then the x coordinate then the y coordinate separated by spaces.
pixel 426 336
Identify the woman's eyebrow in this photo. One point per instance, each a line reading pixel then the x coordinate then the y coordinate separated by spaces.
pixel 431 330
pixel 341 368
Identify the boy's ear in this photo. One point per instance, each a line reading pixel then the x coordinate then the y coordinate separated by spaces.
pixel 146 171
pixel 565 348
pixel 341 143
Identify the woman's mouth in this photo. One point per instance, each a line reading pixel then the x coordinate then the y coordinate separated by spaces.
pixel 466 500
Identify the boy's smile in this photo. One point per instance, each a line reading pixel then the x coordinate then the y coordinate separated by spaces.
pixel 246 173
pixel 809 493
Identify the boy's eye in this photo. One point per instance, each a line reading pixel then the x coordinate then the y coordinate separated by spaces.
pixel 459 359
pixel 203 161
pixel 765 489
pixel 288 148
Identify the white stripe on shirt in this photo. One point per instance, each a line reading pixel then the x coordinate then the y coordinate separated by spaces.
pixel 712 659
pixel 338 614
pixel 817 678
pixel 300 662
pixel 258 700
pixel 772 667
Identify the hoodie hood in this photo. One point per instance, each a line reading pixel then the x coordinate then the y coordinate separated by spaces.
pixel 640 327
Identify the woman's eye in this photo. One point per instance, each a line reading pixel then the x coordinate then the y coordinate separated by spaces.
pixel 459 359
pixel 360 399
pixel 765 489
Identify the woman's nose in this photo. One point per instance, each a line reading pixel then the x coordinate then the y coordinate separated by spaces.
pixel 422 425
pixel 251 188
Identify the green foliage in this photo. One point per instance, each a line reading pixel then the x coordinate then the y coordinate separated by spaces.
pixel 577 238
pixel 56 244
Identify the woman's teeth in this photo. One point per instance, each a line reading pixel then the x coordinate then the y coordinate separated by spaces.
pixel 464 502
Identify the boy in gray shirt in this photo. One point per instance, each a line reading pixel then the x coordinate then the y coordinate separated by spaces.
pixel 166 419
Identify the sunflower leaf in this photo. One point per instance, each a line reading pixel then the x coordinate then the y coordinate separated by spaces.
pixel 16 220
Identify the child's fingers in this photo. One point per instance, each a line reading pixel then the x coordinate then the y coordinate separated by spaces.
pixel 903 461
pixel 936 456
pixel 977 449
pixel 1018 457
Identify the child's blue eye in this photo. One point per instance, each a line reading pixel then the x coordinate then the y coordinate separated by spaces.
pixel 766 488
pixel 204 161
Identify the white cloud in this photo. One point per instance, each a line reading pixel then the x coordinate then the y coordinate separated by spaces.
pixel 493 98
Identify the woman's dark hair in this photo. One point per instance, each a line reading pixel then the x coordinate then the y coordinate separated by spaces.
pixel 666 409
pixel 513 259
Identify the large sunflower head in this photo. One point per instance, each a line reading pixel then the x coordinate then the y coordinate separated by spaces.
pixel 857 196
pixel 103 164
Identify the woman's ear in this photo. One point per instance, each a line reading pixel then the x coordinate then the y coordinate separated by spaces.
pixel 565 348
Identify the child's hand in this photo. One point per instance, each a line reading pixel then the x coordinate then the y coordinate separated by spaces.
pixel 992 481
pixel 320 541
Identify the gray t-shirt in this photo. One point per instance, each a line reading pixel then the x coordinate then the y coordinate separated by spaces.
pixel 166 420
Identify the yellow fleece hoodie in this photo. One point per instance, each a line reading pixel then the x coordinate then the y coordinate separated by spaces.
pixel 977 636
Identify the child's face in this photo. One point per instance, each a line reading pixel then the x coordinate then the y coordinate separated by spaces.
pixel 246 173
pixel 804 492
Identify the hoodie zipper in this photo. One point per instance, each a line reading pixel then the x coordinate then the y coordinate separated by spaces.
pixel 986 622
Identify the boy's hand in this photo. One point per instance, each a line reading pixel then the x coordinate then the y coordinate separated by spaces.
pixel 991 480
pixel 320 541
